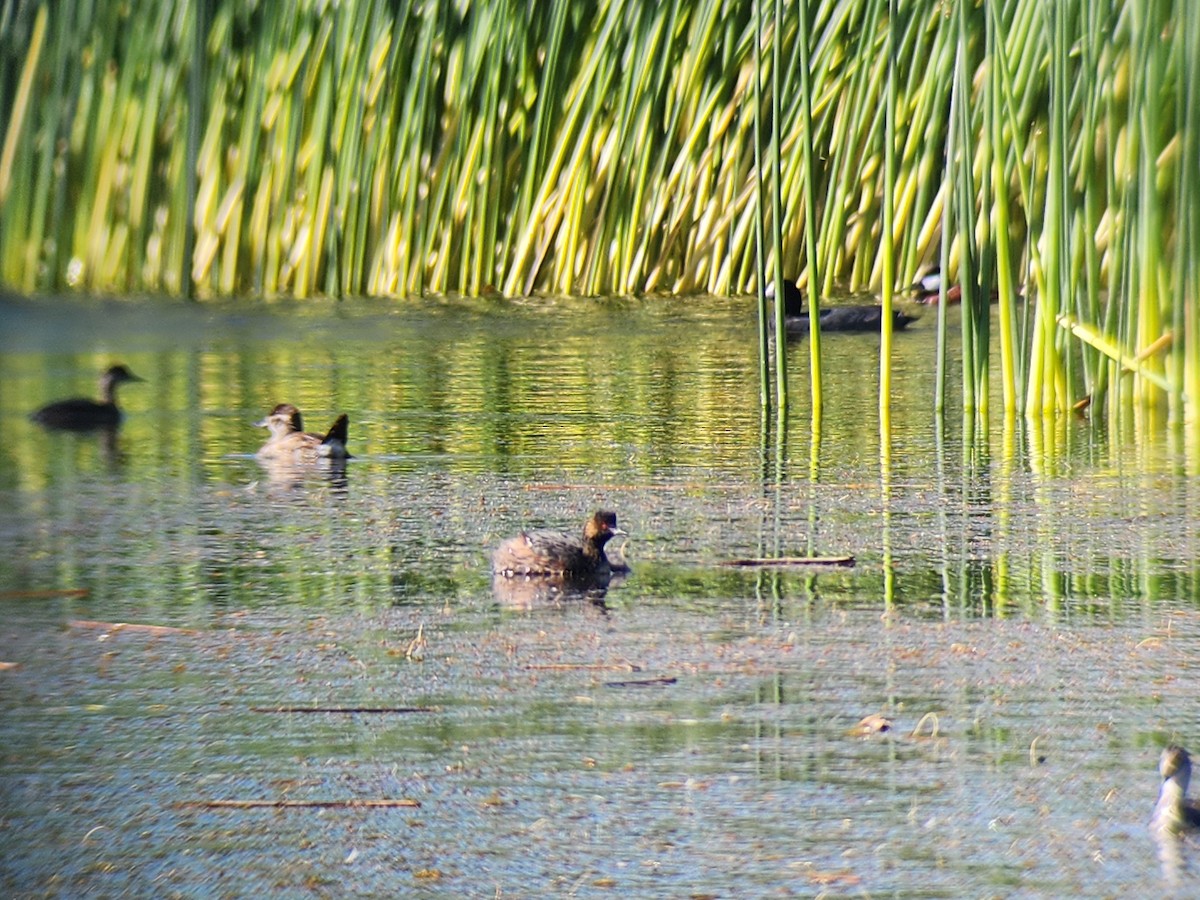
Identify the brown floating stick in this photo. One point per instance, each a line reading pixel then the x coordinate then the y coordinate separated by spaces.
pixel 792 561
pixel 642 682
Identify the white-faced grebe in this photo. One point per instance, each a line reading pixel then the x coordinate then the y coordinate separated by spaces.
pixel 1174 813
pixel 556 554
pixel 289 441
pixel 82 414
pixel 833 318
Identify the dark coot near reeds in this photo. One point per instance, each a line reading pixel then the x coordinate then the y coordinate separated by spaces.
pixel 289 442
pixel 83 414
pixel 860 318
pixel 559 555
pixel 1174 813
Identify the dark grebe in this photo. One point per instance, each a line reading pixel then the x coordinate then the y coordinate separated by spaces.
pixel 555 554
pixel 289 441
pixel 835 318
pixel 81 414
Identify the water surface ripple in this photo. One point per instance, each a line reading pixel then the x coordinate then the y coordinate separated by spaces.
pixel 1024 615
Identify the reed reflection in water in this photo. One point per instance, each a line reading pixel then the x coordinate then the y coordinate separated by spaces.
pixel 689 730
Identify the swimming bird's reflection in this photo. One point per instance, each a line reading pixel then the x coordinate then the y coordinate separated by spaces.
pixel 529 593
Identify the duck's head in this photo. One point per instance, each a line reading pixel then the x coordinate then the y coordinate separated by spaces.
pixel 1175 765
pixel 601 527
pixel 283 419
pixel 115 375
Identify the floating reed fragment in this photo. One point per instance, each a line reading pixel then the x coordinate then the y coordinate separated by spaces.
pixel 348 710
pixel 934 725
pixel 766 561
pixel 585 667
pixel 129 626
pixel 404 802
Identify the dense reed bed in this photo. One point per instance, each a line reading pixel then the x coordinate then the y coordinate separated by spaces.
pixel 1046 149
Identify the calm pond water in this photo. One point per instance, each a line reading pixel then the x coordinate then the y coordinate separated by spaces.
pixel 1026 615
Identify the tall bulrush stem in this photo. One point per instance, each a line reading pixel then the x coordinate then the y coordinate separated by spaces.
pixel 1146 104
pixel 887 248
pixel 760 224
pixel 781 380
pixel 1006 289
pixel 1047 388
pixel 963 198
pixel 808 174
pixel 1187 284
pixel 16 133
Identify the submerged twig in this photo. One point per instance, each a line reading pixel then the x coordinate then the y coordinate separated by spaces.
pixel 791 561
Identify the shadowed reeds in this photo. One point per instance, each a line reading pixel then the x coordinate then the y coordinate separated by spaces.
pixel 396 148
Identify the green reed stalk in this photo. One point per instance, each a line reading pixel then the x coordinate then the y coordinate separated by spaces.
pixel 1030 201
pixel 1001 179
pixel 853 108
pixel 1147 103
pixel 196 82
pixel 949 181
pixel 984 253
pixel 1187 287
pixel 781 384
pixel 808 172
pixel 1090 183
pixel 20 106
pixel 27 263
pixel 964 200
pixel 1046 390
pixel 760 230
pixel 886 245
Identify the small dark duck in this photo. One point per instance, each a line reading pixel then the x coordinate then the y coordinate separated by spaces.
pixel 82 414
pixel 289 442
